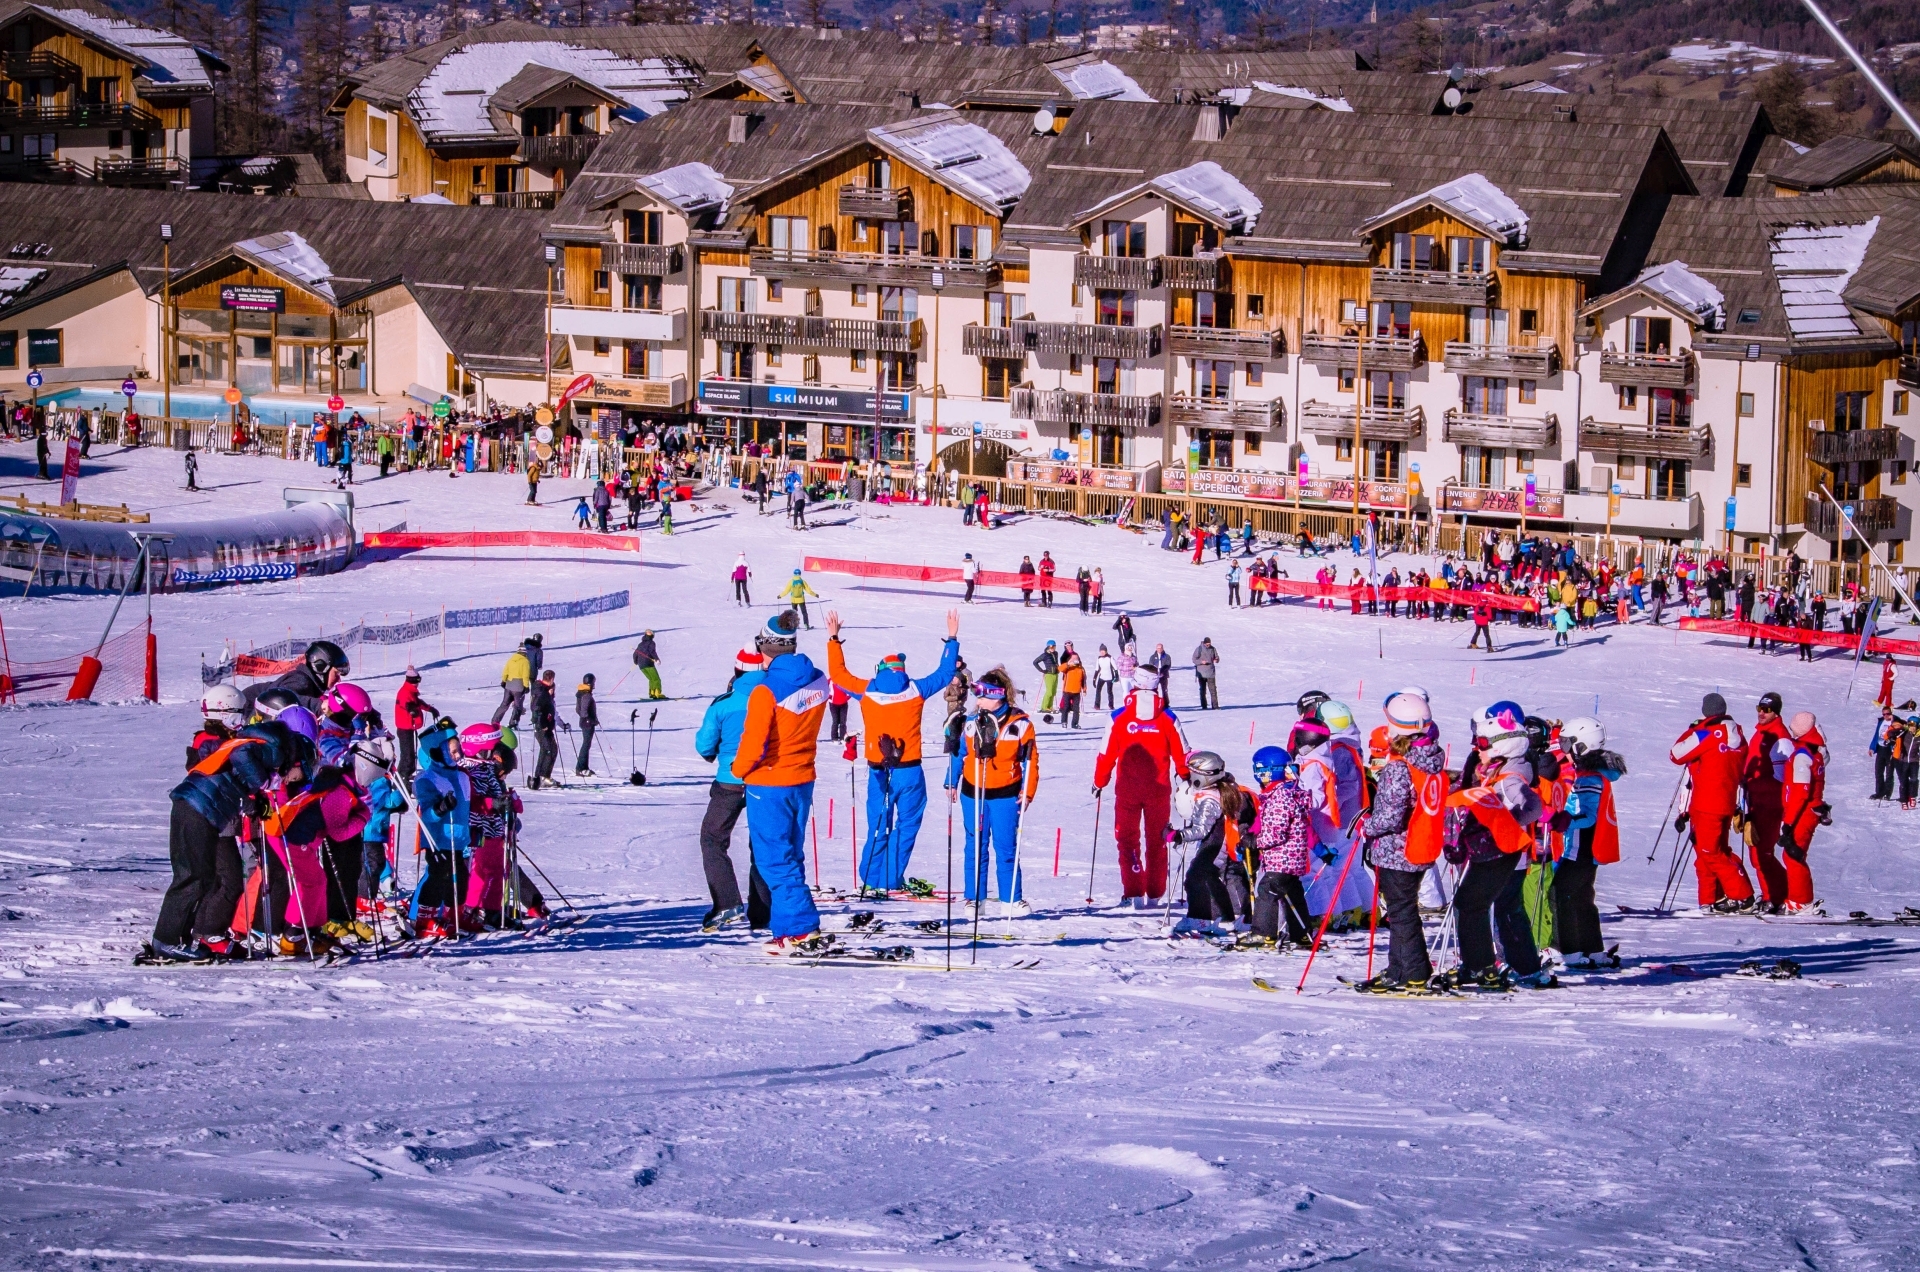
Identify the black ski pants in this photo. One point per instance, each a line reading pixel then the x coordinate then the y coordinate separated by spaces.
pixel 206 879
pixel 584 761
pixel 408 760
pixel 1207 896
pixel 725 802
pixel 549 752
pixel 1489 897
pixel 1070 710
pixel 1884 768
pixel 1576 919
pixel 1406 935
pixel 1280 895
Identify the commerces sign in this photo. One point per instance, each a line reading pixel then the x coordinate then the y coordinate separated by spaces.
pixel 255 300
pixel 800 402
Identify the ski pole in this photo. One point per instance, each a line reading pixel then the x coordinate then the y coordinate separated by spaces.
pixel 1325 920
pixel 977 875
pixel 1373 922
pixel 293 881
pixel 1094 855
pixel 1019 826
pixel 1180 873
pixel 549 882
pixel 1664 821
pixel 949 886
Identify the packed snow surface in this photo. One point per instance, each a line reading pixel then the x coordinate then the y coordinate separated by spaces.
pixel 630 1094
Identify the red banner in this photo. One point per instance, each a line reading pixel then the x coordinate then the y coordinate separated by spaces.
pixel 1799 636
pixel 502 539
pixel 249 665
pixel 934 574
pixel 1343 594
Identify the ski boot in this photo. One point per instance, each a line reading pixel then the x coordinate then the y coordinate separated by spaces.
pixel 1191 929
pixel 919 888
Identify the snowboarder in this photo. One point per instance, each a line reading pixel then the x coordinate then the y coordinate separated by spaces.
pixel 1589 834
pixel 891 707
pixel 646 656
pixel 1496 837
pixel 1713 750
pixel 994 776
pixel 1143 742
pixel 1405 831
pixel 588 713
pixel 718 741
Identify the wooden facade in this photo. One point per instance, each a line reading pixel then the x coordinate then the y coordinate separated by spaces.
pixel 1812 383
pixel 815 196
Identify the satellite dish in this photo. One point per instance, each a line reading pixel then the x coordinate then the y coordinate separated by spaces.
pixel 1043 120
pixel 1452 97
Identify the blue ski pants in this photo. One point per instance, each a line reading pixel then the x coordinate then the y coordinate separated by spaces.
pixel 896 803
pixel 999 832
pixel 777 829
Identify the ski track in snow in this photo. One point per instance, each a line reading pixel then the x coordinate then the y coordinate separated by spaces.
pixel 629 1095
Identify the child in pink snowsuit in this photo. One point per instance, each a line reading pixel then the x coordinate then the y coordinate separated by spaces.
pixel 492 803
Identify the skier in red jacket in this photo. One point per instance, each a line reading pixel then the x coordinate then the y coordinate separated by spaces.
pixel 1143 740
pixel 1761 782
pixel 1714 750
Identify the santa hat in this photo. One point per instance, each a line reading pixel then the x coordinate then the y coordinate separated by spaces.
pixel 748 660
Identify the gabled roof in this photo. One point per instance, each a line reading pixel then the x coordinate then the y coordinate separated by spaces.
pixel 535 81
pixel 1205 189
pixel 1837 161
pixel 1718 141
pixel 1470 198
pixel 1671 283
pixel 450 103
pixel 288 255
pixel 959 154
pixel 1090 77
pixel 166 62
pixel 693 188
pixel 1813 265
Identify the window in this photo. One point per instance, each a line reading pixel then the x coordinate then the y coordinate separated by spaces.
pixel 1383 461
pixel 1004 308
pixel 1346 379
pixel 1116 308
pixel 1483 395
pixel 899 304
pixel 858 294
pixel 1216 447
pixel 479 177
pixel 787 235
pixel 44 348
pixel 776 291
pixel 1624 465
pixel 1529 392
pixel 602 346
pixel 1414 251
pixel 1899 402
pixel 899 238
pixel 9 348
pixel 972 242
pixel 640 291
pixel 858 360
pixel 644 360
pixel 1743 474
pixel 1388 390
pixel 1192 236
pixel 645 227
pixel 1349 311
pixel 1106 375
pixel 1393 318
pixel 736 361
pixel 1002 375
pixel 602 281
pixel 1484 467
pixel 1629 396
pixel 1669 478
pixel 1469 255
pixel 1075 364
pixel 1486 326
pixel 1529 321
pixel 1849 412
pixel 113 138
pixel 860 230
pixel 1746 404
pixel 776 356
pixel 1256 373
pixel 1109 446
pixel 1523 461
pixel 1672 408
pixel 1749 315
pixel 1256 305
pixel 1251 441
pixel 1343 450
pixel 1124 238
pixel 736 296
pixel 1212 380
pixel 901 370
pixel 1651 335
pixel 1213 309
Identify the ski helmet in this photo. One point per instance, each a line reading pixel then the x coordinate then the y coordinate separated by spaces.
pixel 509 739
pixel 1205 768
pixel 1539 733
pixel 324 656
pixel 478 739
pixel 1581 735
pixel 1407 714
pixel 301 721
pixel 1270 762
pixel 1307 734
pixel 1309 702
pixel 1503 727
pixel 225 704
pixel 437 733
pixel 346 697
pixel 1337 716
pixel 271 702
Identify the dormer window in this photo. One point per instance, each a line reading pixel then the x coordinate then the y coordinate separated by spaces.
pixel 1469 255
pixel 1414 251
pixel 645 227
pixel 1124 238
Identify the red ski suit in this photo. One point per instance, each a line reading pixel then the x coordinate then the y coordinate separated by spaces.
pixel 1761 782
pixel 1805 790
pixel 1139 751
pixel 1714 751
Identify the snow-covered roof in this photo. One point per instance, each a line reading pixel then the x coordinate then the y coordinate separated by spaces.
pixel 15 279
pixel 292 257
pixel 1305 95
pixel 767 81
pixel 1538 86
pixel 170 60
pixel 1096 79
pixel 452 100
pixel 692 188
pixel 961 155
pixel 431 198
pixel 1686 291
pixel 1473 199
pixel 1814 264
pixel 1209 188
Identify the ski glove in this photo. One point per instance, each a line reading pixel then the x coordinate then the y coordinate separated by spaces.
pixel 1680 824
pixel 445 805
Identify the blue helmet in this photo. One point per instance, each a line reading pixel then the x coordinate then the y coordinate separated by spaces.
pixel 1270 762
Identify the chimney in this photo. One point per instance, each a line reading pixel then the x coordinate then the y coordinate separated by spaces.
pixel 906 99
pixel 1565 114
pixel 739 125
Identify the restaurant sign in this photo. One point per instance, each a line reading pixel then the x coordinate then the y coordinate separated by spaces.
pixel 253 300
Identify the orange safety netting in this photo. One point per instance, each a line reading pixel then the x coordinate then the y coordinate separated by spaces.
pixel 126 673
pixel 1800 635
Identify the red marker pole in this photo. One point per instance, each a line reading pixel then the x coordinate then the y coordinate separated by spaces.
pixel 815 823
pixel 1056 852
pixel 829 819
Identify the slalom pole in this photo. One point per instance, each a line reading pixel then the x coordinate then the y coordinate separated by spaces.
pixel 1325 920
pixel 977 876
pixel 1373 922
pixel 949 887
pixel 1094 854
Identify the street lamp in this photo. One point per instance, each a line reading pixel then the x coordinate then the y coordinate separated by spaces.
pixel 167 354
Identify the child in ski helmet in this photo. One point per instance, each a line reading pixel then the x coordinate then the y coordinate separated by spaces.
pixel 1284 833
pixel 1494 840
pixel 1405 833
pixel 490 805
pixel 1589 839
pixel 1216 801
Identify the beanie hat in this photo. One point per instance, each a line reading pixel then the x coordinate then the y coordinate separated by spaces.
pixel 1407 715
pixel 781 635
pixel 413 673
pixel 1146 678
pixel 1801 724
pixel 748 660
pixel 892 662
pixel 1713 705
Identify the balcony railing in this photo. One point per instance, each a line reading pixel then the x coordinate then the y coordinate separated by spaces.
pixel 1078 410
pixel 1226 342
pixel 560 150
pixel 877 203
pixel 42 170
pixel 1860 446
pixel 796 331
pixel 1377 423
pixel 1383 353
pixel 1638 437
pixel 78 115
pixel 1194 273
pixel 1910 371
pixel 1870 516
pixel 25 67
pixel 1534 362
pixel 873 267
pixel 1433 287
pixel 1094 340
pixel 1251 417
pixel 1117 273
pixel 657 259
pixel 542 200
pixel 139 172
pixel 995 342
pixel 1653 370
pixel 1464 428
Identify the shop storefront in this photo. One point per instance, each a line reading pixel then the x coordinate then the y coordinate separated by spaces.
pixel 812 422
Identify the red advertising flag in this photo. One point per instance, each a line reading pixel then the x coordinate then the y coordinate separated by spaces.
pixel 581 383
pixel 70 472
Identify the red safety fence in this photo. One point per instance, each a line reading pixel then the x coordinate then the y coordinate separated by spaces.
pixel 1799 636
pixel 936 574
pixel 413 540
pixel 1344 594
pixel 125 671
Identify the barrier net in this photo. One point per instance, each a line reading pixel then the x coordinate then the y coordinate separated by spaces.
pixel 418 539
pixel 123 673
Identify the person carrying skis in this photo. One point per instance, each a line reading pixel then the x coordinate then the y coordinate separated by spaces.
pixel 1405 832
pixel 1760 780
pixel 1219 807
pixel 408 709
pixel 994 776
pixel 442 801
pixel 778 743
pixel 1143 743
pixel 1803 804
pixel 588 713
pixel 718 741
pixel 516 681
pixel 1496 836
pixel 796 593
pixel 545 721
pixel 1714 752
pixel 1589 835
pixel 646 656
pixel 891 709
pixel 1048 665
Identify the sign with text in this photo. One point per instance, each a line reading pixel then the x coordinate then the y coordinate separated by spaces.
pixel 253 300
pixel 995 432
pixel 70 473
pixel 1538 503
pixel 802 401
pixel 662 394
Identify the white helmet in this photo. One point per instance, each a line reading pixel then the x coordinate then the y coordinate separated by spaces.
pixel 1337 716
pixel 1503 727
pixel 1582 734
pixel 225 704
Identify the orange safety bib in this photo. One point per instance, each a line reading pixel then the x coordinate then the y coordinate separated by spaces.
pixel 1606 828
pixel 1427 823
pixel 1508 834
pixel 218 759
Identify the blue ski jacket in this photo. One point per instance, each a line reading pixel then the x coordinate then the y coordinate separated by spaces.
pixel 719 736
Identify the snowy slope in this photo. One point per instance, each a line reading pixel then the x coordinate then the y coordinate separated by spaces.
pixel 629 1094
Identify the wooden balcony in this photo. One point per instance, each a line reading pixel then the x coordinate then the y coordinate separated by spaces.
pixel 1093 340
pixel 877 203
pixel 1637 437
pixel 1433 287
pixel 1514 432
pixel 24 68
pixel 1871 517
pixel 150 174
pixel 981 341
pixel 1226 342
pixel 1910 371
pixel 874 268
pixel 1649 370
pixel 1532 362
pixel 539 200
pixel 1383 353
pixel 78 115
pixel 797 331
pixel 1117 273
pixel 1194 273
pixel 1084 410
pixel 1250 417
pixel 561 150
pixel 657 259
pixel 1334 420
pixel 1861 446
